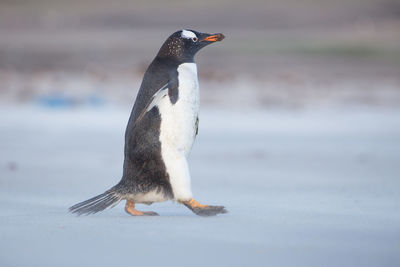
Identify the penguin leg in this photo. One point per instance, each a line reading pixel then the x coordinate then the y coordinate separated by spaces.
pixel 203 210
pixel 130 208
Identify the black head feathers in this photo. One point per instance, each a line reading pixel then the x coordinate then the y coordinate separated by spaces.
pixel 183 45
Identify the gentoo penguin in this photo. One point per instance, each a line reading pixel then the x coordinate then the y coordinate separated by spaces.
pixel 160 132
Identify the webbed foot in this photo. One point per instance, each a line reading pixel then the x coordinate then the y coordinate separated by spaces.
pixel 130 208
pixel 203 210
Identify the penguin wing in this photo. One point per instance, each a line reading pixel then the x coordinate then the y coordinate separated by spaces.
pixel 144 168
pixel 154 101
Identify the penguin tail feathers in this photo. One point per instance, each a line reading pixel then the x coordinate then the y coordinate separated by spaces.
pixel 110 198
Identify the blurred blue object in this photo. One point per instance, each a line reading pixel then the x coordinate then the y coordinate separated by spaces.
pixel 56 101
pixel 95 100
pixel 62 101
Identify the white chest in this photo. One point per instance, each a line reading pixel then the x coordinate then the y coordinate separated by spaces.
pixel 178 121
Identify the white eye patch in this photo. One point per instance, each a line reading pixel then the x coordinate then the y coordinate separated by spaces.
pixel 188 34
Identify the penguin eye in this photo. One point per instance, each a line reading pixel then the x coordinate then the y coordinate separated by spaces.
pixel 194 39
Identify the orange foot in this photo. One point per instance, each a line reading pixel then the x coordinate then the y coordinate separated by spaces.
pixel 130 208
pixel 203 210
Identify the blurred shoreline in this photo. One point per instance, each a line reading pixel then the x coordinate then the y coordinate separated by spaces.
pixel 277 54
pixel 285 90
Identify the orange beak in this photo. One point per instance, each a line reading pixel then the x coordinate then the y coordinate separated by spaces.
pixel 214 37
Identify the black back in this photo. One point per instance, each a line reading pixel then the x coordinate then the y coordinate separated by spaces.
pixel 144 170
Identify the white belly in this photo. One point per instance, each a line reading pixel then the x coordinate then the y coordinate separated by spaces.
pixel 178 130
pixel 178 121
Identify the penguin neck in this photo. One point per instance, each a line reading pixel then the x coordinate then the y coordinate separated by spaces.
pixel 174 61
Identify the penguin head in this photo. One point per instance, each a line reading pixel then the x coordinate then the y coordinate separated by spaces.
pixel 183 45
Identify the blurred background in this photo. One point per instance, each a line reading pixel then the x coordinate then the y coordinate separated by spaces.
pixel 285 54
pixel 299 133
